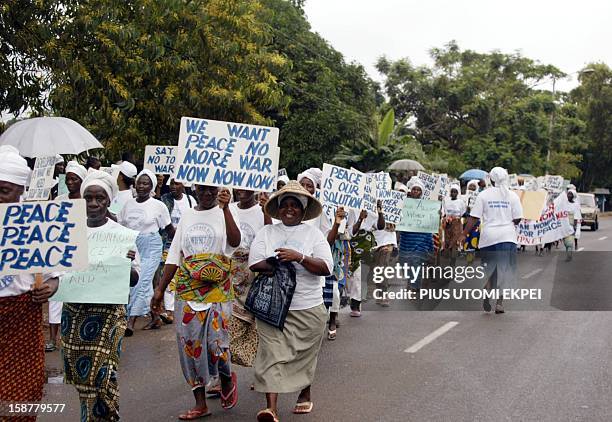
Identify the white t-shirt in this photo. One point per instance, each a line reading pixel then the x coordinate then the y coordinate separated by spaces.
pixel 122 197
pixel 251 221
pixel 321 222
pixel 200 232
pixel 302 238
pixel 496 213
pixel 15 285
pixel 453 208
pixel 384 237
pixel 180 206
pixel 149 216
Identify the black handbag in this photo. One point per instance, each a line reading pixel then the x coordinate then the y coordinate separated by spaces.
pixel 270 296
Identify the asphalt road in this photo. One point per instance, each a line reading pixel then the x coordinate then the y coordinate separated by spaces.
pixel 394 365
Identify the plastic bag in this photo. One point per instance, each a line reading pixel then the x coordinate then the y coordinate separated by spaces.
pixel 270 296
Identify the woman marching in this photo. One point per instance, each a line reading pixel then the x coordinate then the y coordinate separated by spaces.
pixel 453 208
pixel 568 204
pixel 470 245
pixel 205 238
pixel 286 360
pixel 147 216
pixel 75 174
pixel 92 333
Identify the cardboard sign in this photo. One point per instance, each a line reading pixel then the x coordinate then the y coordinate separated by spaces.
pixel 431 185
pixel 234 155
pixel 470 197
pixel 107 280
pixel 42 180
pixel 442 185
pixel 533 202
pixel 383 185
pixel 370 193
pixel 551 226
pixel 282 172
pixel 37 237
pixel 420 216
pixel 62 189
pixel 553 183
pixel 343 187
pixel 160 159
pixel 393 205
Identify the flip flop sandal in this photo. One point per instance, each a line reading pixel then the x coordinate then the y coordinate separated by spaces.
pixel 153 325
pixel 331 335
pixel 214 392
pixel 50 347
pixel 266 415
pixel 166 319
pixel 303 408
pixel 193 414
pixel 233 394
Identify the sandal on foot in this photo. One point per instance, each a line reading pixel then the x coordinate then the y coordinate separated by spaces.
pixel 232 395
pixel 153 325
pixel 331 335
pixel 355 314
pixel 266 415
pixel 167 319
pixel 193 414
pixel 303 408
pixel 50 347
pixel 499 309
pixel 486 305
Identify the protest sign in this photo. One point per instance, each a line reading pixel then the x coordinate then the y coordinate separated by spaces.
pixel 160 159
pixel 550 227
pixel 383 185
pixel 282 172
pixel 234 155
pixel 553 183
pixel 369 197
pixel 442 185
pixel 420 216
pixel 514 183
pixel 343 187
pixel 392 206
pixel 533 202
pixel 431 184
pixel 42 180
pixel 107 279
pixel 470 197
pixel 62 189
pixel 39 237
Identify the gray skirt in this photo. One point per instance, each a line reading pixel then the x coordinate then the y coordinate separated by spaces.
pixel 287 360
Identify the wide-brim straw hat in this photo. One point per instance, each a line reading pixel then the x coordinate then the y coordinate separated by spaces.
pixel 313 206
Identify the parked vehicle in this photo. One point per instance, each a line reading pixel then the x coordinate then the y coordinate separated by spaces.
pixel 589 210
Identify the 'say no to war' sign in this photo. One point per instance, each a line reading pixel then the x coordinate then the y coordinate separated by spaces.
pixel 160 159
pixel 212 152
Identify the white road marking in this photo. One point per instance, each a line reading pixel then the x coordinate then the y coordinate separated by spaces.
pixel 531 274
pixel 431 337
pixel 579 249
pixel 603 238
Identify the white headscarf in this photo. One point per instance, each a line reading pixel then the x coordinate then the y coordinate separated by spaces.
pixel 456 187
pixel 473 182
pixel 313 173
pixel 417 183
pixel 102 179
pixel 76 168
pixel 59 159
pixel 147 172
pixel 283 179
pixel 14 168
pixel 500 177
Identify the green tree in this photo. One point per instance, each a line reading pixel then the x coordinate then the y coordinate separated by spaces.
pixel 128 70
pixel 331 101
pixel 476 110
pixel 593 100
pixel 384 144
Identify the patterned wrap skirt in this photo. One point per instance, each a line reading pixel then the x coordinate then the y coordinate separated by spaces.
pixel 150 249
pixel 22 355
pixel 91 347
pixel 203 341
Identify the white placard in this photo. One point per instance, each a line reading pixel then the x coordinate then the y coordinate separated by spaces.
pixel 160 159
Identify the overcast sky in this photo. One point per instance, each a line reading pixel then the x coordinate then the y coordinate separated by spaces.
pixel 567 34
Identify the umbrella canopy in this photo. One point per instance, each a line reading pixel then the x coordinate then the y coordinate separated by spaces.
pixel 48 136
pixel 406 165
pixel 474 174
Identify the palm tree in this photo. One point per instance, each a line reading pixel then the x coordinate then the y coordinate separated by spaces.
pixel 384 145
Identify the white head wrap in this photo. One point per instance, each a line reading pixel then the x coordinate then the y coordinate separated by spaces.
pixel 571 187
pixel 573 191
pixel 59 159
pixel 456 187
pixel 14 168
pixel 417 183
pixel 283 179
pixel 76 168
pixel 313 174
pixel 303 200
pixel 499 176
pixel 147 172
pixel 401 187
pixel 473 182
pixel 102 179
pixel 126 168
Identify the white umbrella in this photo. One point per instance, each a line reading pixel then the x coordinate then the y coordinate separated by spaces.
pixel 48 136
